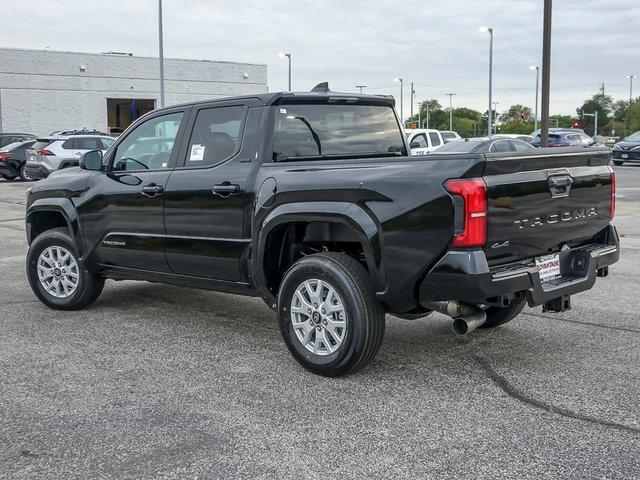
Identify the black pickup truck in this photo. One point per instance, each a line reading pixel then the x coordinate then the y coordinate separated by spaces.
pixel 312 202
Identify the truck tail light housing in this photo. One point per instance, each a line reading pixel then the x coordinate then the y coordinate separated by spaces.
pixel 612 201
pixel 44 151
pixel 5 156
pixel 470 196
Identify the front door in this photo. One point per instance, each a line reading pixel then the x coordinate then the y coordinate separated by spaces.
pixel 207 196
pixel 123 221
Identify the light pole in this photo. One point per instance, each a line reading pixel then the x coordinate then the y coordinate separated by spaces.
pixel 451 110
pixel 495 124
pixel 631 77
pixel 546 72
pixel 161 53
pixel 401 94
pixel 427 115
pixel 361 87
pixel 595 121
pixel 288 56
pixel 537 69
pixel 490 116
pixel 413 93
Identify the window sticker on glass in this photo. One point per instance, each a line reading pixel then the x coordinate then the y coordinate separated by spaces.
pixel 197 153
pixel 283 111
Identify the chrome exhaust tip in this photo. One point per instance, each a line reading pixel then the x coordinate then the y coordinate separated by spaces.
pixel 468 323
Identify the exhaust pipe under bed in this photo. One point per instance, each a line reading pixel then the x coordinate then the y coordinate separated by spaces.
pixel 466 318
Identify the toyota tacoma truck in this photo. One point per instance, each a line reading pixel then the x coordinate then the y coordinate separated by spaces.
pixel 313 202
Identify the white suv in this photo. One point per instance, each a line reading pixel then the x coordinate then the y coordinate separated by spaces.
pixel 423 140
pixel 49 154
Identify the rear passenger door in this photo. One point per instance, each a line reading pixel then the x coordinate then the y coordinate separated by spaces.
pixel 208 197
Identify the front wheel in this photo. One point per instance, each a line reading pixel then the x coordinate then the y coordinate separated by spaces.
pixel 24 174
pixel 329 316
pixel 55 274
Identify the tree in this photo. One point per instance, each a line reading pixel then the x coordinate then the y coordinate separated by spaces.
pixel 517 125
pixel 517 112
pixel 604 105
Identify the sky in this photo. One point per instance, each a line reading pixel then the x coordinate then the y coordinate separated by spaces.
pixel 434 43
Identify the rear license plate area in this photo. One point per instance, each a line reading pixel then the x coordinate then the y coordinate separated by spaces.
pixel 548 267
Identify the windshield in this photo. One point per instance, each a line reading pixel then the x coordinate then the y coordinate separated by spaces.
pixel 318 131
pixel 448 135
pixel 634 137
pixel 461 147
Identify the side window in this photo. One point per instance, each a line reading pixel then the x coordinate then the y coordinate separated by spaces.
pixel 521 146
pixel 215 136
pixel 501 146
pixel 68 144
pixel 87 144
pixel 421 140
pixel 149 145
pixel 106 143
pixel 435 139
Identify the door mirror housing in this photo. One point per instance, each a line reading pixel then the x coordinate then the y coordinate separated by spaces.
pixel 92 160
pixel 414 145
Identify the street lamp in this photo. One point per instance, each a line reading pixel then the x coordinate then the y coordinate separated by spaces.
pixel 287 55
pixel 401 94
pixel 161 53
pixel 361 87
pixel 490 117
pixel 537 69
pixel 631 77
pixel 451 110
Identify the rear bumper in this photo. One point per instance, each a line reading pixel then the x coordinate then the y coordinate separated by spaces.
pixel 9 169
pixel 466 276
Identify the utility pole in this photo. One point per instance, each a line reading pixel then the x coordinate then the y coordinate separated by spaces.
pixel 161 53
pixel 451 110
pixel 537 69
pixel 495 124
pixel 413 93
pixel 631 77
pixel 427 115
pixel 490 113
pixel 546 73
pixel 361 87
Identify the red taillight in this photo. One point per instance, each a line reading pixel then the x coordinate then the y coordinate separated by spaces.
pixel 5 156
pixel 45 152
pixel 612 204
pixel 473 231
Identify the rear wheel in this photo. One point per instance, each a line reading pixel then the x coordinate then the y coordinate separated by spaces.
pixel 617 162
pixel 329 316
pixel 24 174
pixel 56 275
pixel 497 316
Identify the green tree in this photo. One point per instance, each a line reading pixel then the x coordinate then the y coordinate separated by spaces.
pixel 604 105
pixel 559 121
pixel 516 112
pixel 517 125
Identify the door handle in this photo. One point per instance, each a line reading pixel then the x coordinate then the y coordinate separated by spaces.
pixel 152 190
pixel 226 188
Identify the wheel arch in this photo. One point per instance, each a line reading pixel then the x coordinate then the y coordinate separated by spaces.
pixel 329 222
pixel 42 216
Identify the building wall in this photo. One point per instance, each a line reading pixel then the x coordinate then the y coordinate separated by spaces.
pixel 42 90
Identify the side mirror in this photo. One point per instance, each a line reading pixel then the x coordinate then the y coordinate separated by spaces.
pixel 414 145
pixel 91 160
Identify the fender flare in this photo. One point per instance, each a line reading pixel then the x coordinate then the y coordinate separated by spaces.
pixel 63 206
pixel 351 215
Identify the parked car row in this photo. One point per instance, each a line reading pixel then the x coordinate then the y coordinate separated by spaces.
pixel 30 158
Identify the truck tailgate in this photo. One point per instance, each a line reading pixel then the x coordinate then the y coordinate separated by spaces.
pixel 537 205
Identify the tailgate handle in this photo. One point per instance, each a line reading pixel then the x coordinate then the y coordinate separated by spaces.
pixel 560 185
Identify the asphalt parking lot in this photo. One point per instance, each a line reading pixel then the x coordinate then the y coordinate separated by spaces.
pixel 157 381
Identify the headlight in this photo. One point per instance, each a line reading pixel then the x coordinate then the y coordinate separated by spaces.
pixel 617 147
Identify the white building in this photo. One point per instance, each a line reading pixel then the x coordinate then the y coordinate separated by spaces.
pixel 43 90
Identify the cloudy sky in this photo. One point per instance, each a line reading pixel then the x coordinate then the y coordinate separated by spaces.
pixel 435 44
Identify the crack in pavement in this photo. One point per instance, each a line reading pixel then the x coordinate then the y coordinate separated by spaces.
pixel 514 393
pixel 589 324
pixel 12 203
pixel 12 220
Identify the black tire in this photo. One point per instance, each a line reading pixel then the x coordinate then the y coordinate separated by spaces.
pixel 24 176
pixel 7 177
pixel 618 163
pixel 89 285
pixel 497 316
pixel 365 322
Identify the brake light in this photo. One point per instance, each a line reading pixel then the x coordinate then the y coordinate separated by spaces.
pixel 473 194
pixel 612 201
pixel 5 156
pixel 44 151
